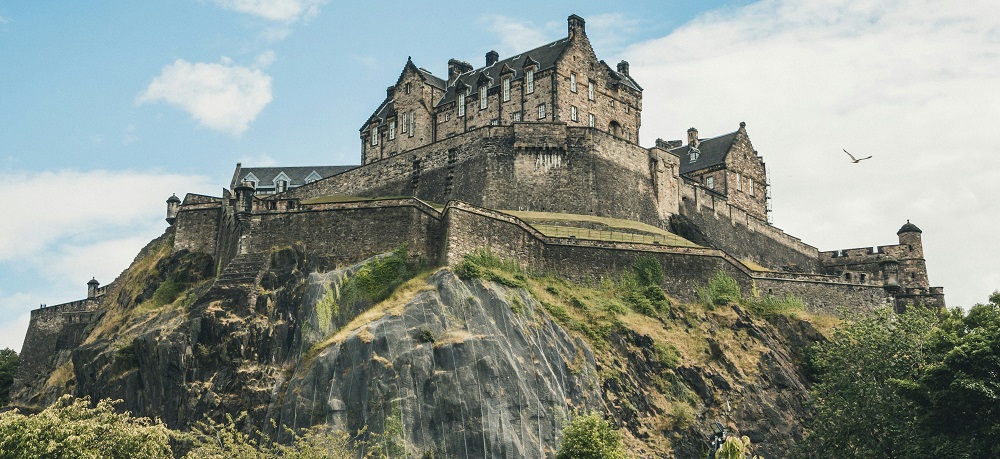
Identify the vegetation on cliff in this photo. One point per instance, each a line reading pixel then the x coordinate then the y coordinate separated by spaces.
pixel 8 367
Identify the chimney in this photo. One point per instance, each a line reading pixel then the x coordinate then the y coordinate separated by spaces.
pixel 456 68
pixel 623 68
pixel 693 137
pixel 390 92
pixel 576 25
pixel 492 57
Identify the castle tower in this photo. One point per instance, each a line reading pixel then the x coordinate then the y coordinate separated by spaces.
pixel 92 286
pixel 244 196
pixel 173 205
pixel 912 268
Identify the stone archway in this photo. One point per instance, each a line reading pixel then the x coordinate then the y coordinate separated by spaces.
pixel 615 129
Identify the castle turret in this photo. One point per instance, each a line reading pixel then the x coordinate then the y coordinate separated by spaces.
pixel 92 287
pixel 913 269
pixel 173 205
pixel 693 137
pixel 244 197
pixel 909 235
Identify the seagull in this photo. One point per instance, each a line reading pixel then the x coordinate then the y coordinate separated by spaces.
pixel 856 160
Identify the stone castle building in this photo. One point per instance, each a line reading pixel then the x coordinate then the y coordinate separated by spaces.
pixel 451 166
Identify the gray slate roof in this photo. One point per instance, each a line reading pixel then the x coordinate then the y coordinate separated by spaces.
pixel 545 56
pixel 296 174
pixel 711 152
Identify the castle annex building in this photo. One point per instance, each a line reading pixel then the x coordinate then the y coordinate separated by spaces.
pixel 536 157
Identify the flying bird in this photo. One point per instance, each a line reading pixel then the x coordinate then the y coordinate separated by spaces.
pixel 856 160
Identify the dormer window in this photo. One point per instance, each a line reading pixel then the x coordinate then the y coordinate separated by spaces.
pixel 313 176
pixel 693 154
pixel 572 82
pixel 482 97
pixel 461 104
pixel 529 81
pixel 281 183
pixel 506 89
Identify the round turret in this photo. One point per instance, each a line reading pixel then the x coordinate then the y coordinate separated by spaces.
pixel 908 228
pixel 909 236
pixel 244 196
pixel 92 288
pixel 173 205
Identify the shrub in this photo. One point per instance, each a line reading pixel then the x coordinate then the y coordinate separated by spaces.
pixel 722 289
pixel 590 436
pixel 668 356
pixel 769 305
pixel 648 271
pixel 425 335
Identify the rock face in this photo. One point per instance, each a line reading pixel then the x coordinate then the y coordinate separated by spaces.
pixel 432 365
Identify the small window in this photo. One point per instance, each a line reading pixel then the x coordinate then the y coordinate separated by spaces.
pixel 694 153
pixel 495 122
pixel 750 186
pixel 374 135
pixel 739 182
pixel 862 277
pixel 847 276
pixel 590 90
pixel 413 125
pixel 572 82
pixel 506 89
pixel 572 112
pixel 710 183
pixel 628 108
pixel 392 130
pixel 447 116
pixel 529 81
pixel 516 116
pixel 541 111
pixel 591 119
pixel 280 186
pixel 461 106
pixel 407 88
pixel 403 124
pixel 482 97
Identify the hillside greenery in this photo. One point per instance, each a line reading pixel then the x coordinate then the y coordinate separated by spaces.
pixel 9 362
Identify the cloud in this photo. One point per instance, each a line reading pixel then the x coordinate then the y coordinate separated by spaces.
pixel 610 32
pixel 275 10
pixel 517 35
pixel 223 96
pixel 911 83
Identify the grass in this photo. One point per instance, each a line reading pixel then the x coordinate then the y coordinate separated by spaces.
pixel 555 224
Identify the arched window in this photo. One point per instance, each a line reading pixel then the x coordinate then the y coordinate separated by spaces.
pixel 615 129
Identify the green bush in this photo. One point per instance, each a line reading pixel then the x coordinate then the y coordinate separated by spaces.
pixel 590 436
pixel 483 264
pixel 668 356
pixel 9 362
pixel 722 289
pixel 769 305
pixel 648 271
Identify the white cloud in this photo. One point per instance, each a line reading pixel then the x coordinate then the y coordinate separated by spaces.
pixel 261 160
pixel 275 10
pixel 609 32
pixel 223 96
pixel 517 35
pixel 911 83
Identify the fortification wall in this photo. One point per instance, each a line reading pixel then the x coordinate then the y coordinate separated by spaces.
pixel 53 333
pixel 346 232
pixel 197 226
pixel 708 218
pixel 826 297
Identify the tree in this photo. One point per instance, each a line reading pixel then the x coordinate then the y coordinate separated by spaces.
pixel 8 367
pixel 858 410
pixel 590 436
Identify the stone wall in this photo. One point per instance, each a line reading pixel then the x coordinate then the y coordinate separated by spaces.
pixel 708 218
pixel 197 224
pixel 53 333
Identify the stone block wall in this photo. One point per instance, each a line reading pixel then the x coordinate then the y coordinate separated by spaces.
pixel 197 225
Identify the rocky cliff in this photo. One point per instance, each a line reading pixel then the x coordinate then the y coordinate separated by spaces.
pixel 423 361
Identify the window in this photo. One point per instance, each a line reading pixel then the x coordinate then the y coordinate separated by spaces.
pixel 590 90
pixel 447 116
pixel 710 183
pixel 627 108
pixel 541 111
pixel 591 117
pixel 506 89
pixel 572 82
pixel 413 125
pixel 495 122
pixel 403 125
pixel 482 97
pixel 572 112
pixel 461 105
pixel 407 88
pixel 750 186
pixel 374 135
pixel 739 182
pixel 392 130
pixel 280 185
pixel 694 152
pixel 529 81
pixel 516 116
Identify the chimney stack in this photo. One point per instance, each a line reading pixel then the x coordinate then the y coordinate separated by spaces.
pixel 390 92
pixel 576 26
pixel 492 57
pixel 456 68
pixel 693 137
pixel 623 68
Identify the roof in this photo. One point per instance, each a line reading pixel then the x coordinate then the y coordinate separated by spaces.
pixel 908 228
pixel 545 56
pixel 711 152
pixel 621 77
pixel 296 174
pixel 431 79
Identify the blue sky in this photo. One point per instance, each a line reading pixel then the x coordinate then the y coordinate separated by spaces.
pixel 106 108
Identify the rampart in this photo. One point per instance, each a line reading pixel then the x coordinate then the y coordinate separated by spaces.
pixel 708 218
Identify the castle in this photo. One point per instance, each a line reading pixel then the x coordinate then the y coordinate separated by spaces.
pixel 536 157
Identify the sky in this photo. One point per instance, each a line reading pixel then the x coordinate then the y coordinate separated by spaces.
pixel 109 107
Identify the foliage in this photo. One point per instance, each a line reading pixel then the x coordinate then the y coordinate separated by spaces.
pixel 735 448
pixel 858 411
pixel 70 428
pixel 648 271
pixel 722 289
pixel 667 355
pixel 212 440
pixel 484 264
pixel 589 435
pixel 370 284
pixel 425 335
pixel 768 305
pixel 9 362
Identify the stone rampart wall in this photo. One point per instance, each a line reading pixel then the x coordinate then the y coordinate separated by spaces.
pixel 197 228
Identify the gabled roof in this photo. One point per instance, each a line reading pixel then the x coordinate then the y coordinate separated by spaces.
pixel 296 175
pixel 621 77
pixel 711 152
pixel 544 57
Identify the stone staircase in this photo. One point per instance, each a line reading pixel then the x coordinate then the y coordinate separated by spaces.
pixel 240 274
